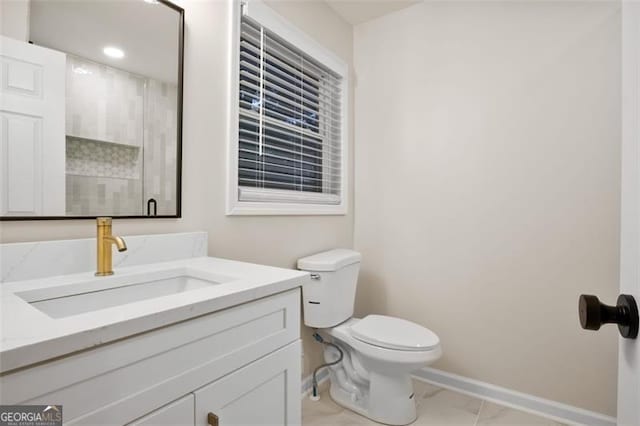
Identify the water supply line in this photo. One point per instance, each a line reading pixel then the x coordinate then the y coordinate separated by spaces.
pixel 315 396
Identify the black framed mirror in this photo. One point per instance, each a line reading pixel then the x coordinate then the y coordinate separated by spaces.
pixel 92 110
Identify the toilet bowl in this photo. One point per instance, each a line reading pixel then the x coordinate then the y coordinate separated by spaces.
pixel 374 378
pixel 379 353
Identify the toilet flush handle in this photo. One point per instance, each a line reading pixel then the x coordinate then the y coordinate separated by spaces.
pixel 315 276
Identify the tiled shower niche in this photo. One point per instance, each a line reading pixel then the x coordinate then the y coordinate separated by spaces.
pixel 86 157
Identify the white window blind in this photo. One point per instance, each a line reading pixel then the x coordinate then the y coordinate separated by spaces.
pixel 290 121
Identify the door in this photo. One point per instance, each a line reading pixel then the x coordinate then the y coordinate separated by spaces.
pixel 593 313
pixel 265 392
pixel 32 125
pixel 629 349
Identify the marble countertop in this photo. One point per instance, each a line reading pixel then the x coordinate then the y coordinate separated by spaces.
pixel 29 336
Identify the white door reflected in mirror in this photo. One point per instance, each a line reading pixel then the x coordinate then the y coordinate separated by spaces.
pixel 32 160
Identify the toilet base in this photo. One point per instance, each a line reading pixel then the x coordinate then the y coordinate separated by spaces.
pixel 389 400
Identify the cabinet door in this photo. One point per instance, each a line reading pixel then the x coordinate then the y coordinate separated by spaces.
pixel 177 413
pixel 265 392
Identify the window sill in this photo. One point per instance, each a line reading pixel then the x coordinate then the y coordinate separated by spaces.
pixel 246 208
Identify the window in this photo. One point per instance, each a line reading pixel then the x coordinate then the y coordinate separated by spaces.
pixel 290 140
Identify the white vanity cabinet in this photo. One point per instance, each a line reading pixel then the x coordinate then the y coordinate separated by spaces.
pixel 262 393
pixel 242 364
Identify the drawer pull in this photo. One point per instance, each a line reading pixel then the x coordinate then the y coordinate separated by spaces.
pixel 212 419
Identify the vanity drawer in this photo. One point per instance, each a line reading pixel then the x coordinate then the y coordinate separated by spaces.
pixel 121 381
pixel 178 413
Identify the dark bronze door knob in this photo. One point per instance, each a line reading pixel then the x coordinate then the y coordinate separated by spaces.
pixel 593 314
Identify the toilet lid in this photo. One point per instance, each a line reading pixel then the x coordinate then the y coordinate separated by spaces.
pixel 394 333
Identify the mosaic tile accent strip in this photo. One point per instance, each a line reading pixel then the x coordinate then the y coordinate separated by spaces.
pixel 94 158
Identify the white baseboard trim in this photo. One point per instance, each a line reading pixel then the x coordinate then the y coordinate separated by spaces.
pixel 543 407
pixel 322 376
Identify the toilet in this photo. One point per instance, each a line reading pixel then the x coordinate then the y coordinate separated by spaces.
pixel 379 352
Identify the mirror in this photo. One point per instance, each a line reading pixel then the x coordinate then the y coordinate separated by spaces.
pixel 91 109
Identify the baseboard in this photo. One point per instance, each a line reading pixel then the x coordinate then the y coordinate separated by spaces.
pixel 322 376
pixel 543 407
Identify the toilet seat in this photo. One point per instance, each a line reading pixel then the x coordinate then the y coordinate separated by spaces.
pixel 343 333
pixel 394 333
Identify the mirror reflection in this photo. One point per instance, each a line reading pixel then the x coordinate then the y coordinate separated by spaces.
pixel 91 110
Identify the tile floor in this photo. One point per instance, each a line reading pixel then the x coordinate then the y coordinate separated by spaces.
pixel 436 406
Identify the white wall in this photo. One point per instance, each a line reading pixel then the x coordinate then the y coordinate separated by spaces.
pixel 278 241
pixel 14 19
pixel 487 186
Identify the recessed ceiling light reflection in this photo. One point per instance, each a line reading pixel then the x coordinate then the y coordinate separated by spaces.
pixel 113 52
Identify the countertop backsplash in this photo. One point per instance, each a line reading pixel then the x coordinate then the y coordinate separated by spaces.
pixel 25 261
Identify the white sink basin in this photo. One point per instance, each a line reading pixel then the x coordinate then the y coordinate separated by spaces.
pixel 102 293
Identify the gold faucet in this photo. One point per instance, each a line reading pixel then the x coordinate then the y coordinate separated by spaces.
pixel 105 240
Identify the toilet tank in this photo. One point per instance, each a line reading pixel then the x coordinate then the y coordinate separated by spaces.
pixel 329 297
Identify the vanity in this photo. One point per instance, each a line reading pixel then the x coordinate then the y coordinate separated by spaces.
pixel 191 341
